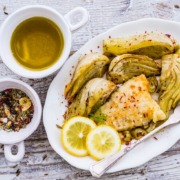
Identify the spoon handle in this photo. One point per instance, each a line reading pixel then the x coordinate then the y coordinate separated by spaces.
pixel 100 167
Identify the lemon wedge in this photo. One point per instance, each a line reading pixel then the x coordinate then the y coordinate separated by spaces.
pixel 102 142
pixel 74 134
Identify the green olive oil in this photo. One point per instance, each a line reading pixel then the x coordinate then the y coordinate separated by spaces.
pixel 37 43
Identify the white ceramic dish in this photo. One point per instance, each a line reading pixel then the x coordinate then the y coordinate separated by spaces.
pixel 63 22
pixel 10 139
pixel 55 104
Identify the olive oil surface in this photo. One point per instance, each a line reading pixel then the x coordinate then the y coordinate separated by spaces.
pixel 37 43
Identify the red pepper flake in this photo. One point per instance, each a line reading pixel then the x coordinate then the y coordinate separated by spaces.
pixel 32 108
pixel 28 120
pixel 145 115
pixel 109 37
pixel 120 98
pixel 174 42
pixel 20 107
pixel 155 138
pixel 132 86
pixel 1 104
pixel 127 143
pixel 132 97
pixel 168 35
pixel 98 47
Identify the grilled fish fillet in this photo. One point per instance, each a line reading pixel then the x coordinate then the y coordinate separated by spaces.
pixel 131 106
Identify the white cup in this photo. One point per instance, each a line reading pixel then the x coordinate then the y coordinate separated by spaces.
pixel 12 138
pixel 63 22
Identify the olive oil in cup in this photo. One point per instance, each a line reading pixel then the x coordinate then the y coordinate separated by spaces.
pixel 37 43
pixel 36 40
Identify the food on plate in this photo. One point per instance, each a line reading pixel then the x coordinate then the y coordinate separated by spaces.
pixel 153 84
pixel 125 136
pixel 126 66
pixel 93 95
pixel 120 105
pixel 138 133
pixel 152 126
pixel 16 110
pixel 90 66
pixel 131 106
pixel 102 142
pixel 74 133
pixel 169 83
pixel 178 51
pixel 154 45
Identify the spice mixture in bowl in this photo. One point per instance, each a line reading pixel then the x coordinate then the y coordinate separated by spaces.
pixel 16 110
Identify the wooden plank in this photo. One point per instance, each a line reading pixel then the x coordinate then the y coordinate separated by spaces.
pixel 40 161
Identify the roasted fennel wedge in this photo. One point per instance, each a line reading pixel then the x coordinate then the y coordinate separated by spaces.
pixel 93 95
pixel 90 66
pixel 131 106
pixel 170 83
pixel 126 66
pixel 154 45
pixel 153 84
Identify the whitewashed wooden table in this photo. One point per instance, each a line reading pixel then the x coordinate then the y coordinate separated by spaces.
pixel 40 161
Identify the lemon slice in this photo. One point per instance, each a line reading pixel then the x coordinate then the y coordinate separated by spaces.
pixel 74 134
pixel 102 142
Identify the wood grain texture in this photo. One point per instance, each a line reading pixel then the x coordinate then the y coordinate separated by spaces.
pixel 40 161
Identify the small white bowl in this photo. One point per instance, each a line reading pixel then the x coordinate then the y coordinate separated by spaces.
pixel 64 24
pixel 10 139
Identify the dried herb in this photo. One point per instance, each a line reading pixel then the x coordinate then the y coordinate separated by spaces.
pixel 44 157
pixel 18 172
pixel 58 126
pixel 5 12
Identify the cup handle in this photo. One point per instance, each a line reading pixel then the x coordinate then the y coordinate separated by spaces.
pixel 83 21
pixel 11 157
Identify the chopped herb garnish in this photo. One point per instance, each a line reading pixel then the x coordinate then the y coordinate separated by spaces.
pixel 100 118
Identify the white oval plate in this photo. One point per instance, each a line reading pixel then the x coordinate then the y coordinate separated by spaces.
pixel 55 104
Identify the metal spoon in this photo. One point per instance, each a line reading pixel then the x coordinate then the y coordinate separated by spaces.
pixel 99 168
